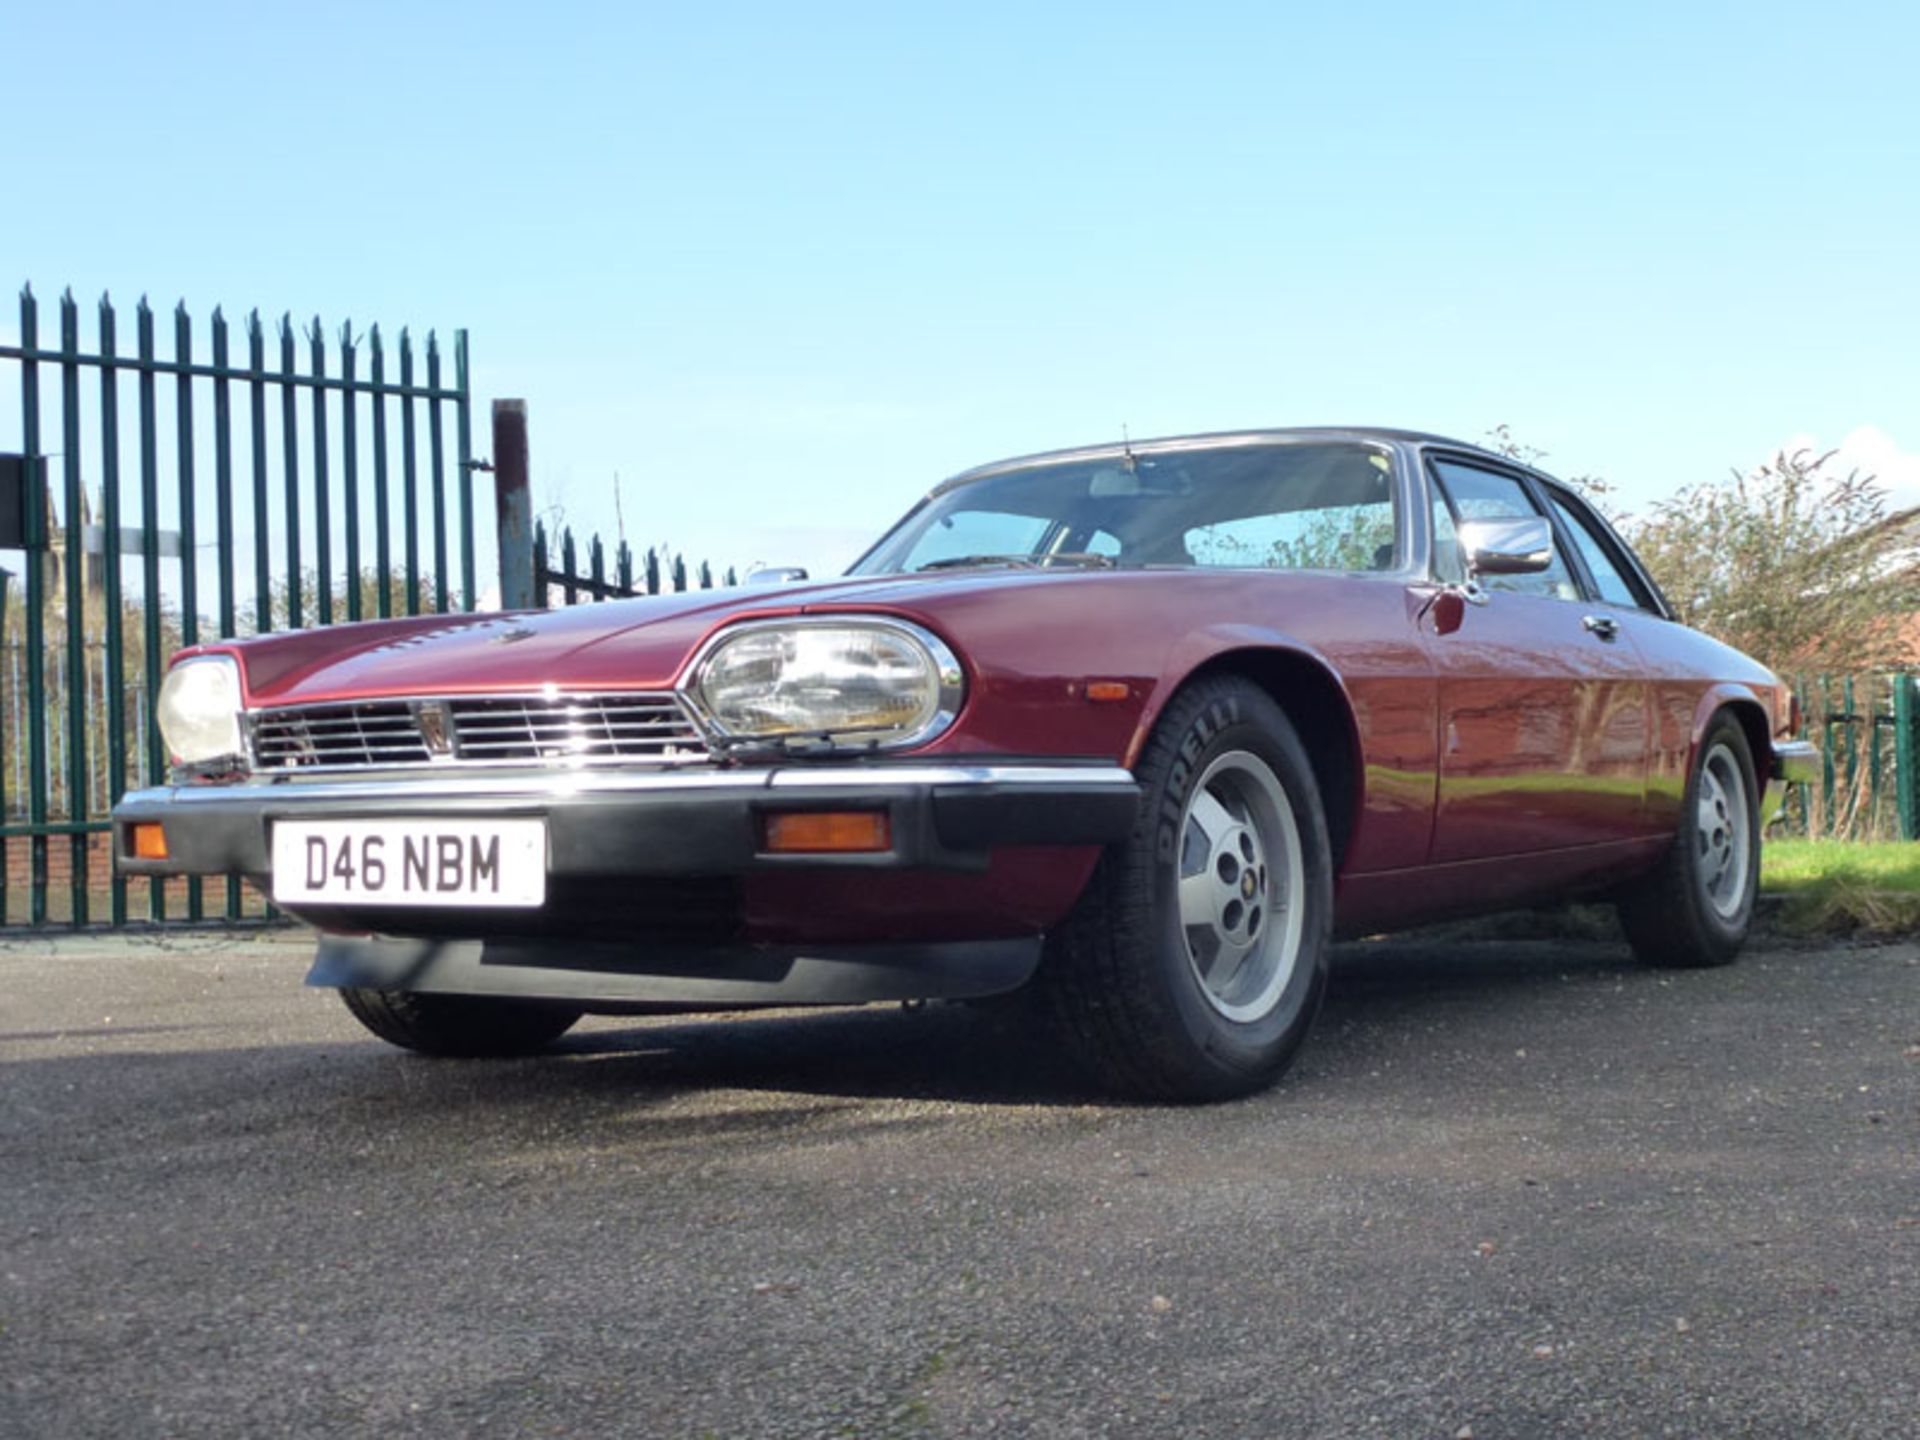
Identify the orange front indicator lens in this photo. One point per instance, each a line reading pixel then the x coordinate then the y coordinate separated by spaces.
pixel 149 842
pixel 828 832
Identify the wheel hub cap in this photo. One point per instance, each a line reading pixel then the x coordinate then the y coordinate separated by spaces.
pixel 1239 872
pixel 1722 838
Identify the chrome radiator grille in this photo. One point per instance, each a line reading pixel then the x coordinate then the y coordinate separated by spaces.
pixel 565 729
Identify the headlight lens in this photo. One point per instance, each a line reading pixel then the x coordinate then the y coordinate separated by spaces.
pixel 199 711
pixel 888 684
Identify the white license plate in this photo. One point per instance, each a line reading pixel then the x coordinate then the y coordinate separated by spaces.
pixel 410 862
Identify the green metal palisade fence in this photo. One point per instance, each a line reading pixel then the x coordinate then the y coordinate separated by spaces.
pixel 1868 731
pixel 119 570
pixel 657 572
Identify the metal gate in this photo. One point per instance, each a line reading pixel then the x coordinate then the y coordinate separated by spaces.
pixel 155 502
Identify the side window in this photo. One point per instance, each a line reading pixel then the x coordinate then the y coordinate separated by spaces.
pixel 977 532
pixel 1615 587
pixel 1476 494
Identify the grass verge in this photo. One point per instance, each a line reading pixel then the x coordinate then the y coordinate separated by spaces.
pixel 1841 886
pixel 1808 887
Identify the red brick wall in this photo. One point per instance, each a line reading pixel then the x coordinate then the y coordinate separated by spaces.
pixel 99 866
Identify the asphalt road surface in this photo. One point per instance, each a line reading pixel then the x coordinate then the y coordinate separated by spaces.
pixel 1509 1190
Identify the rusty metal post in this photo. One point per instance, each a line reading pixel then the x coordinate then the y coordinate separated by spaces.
pixel 513 504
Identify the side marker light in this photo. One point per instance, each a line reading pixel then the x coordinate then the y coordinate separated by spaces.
pixel 828 832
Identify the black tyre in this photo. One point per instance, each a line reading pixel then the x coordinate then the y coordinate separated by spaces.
pixel 470 1025
pixel 1195 962
pixel 1695 908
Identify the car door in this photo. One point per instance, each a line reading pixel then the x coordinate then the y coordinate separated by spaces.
pixel 1674 685
pixel 1543 706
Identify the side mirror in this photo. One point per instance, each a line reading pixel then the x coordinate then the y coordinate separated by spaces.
pixel 777 575
pixel 1507 547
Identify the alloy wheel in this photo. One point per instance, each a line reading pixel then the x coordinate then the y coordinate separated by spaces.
pixel 1241 882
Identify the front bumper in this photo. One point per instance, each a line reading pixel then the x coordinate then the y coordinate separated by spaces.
pixel 659 823
pixel 1795 762
pixel 660 889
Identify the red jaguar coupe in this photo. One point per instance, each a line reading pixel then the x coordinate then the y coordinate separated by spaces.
pixel 1141 727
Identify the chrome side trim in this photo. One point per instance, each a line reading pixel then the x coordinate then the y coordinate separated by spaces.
pixel 562 785
pixel 830 777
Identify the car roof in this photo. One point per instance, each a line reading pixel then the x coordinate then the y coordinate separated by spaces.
pixel 1219 439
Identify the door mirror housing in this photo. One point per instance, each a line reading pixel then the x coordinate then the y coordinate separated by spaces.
pixel 1520 546
pixel 777 575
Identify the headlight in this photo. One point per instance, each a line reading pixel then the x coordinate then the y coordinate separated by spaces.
pixel 199 712
pixel 878 682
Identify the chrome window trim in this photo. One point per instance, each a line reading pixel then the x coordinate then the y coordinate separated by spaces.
pixel 1387 444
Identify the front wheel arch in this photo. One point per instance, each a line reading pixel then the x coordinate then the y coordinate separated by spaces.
pixel 1317 706
pixel 1121 977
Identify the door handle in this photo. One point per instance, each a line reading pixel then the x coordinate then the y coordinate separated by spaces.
pixel 1605 626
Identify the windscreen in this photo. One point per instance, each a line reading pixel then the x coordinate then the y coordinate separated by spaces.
pixel 1294 506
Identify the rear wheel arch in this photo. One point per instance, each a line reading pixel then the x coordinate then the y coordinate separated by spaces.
pixel 1695 906
pixel 1753 721
pixel 1746 708
pixel 1316 704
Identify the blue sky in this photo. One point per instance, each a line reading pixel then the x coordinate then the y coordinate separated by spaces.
pixel 781 267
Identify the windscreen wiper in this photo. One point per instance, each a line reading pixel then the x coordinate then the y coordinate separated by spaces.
pixel 1073 559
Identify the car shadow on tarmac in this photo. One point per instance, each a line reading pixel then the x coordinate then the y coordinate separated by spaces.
pixel 1003 1054
pixel 1382 998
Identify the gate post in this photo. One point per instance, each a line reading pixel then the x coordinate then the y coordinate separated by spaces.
pixel 513 504
pixel 1906 754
